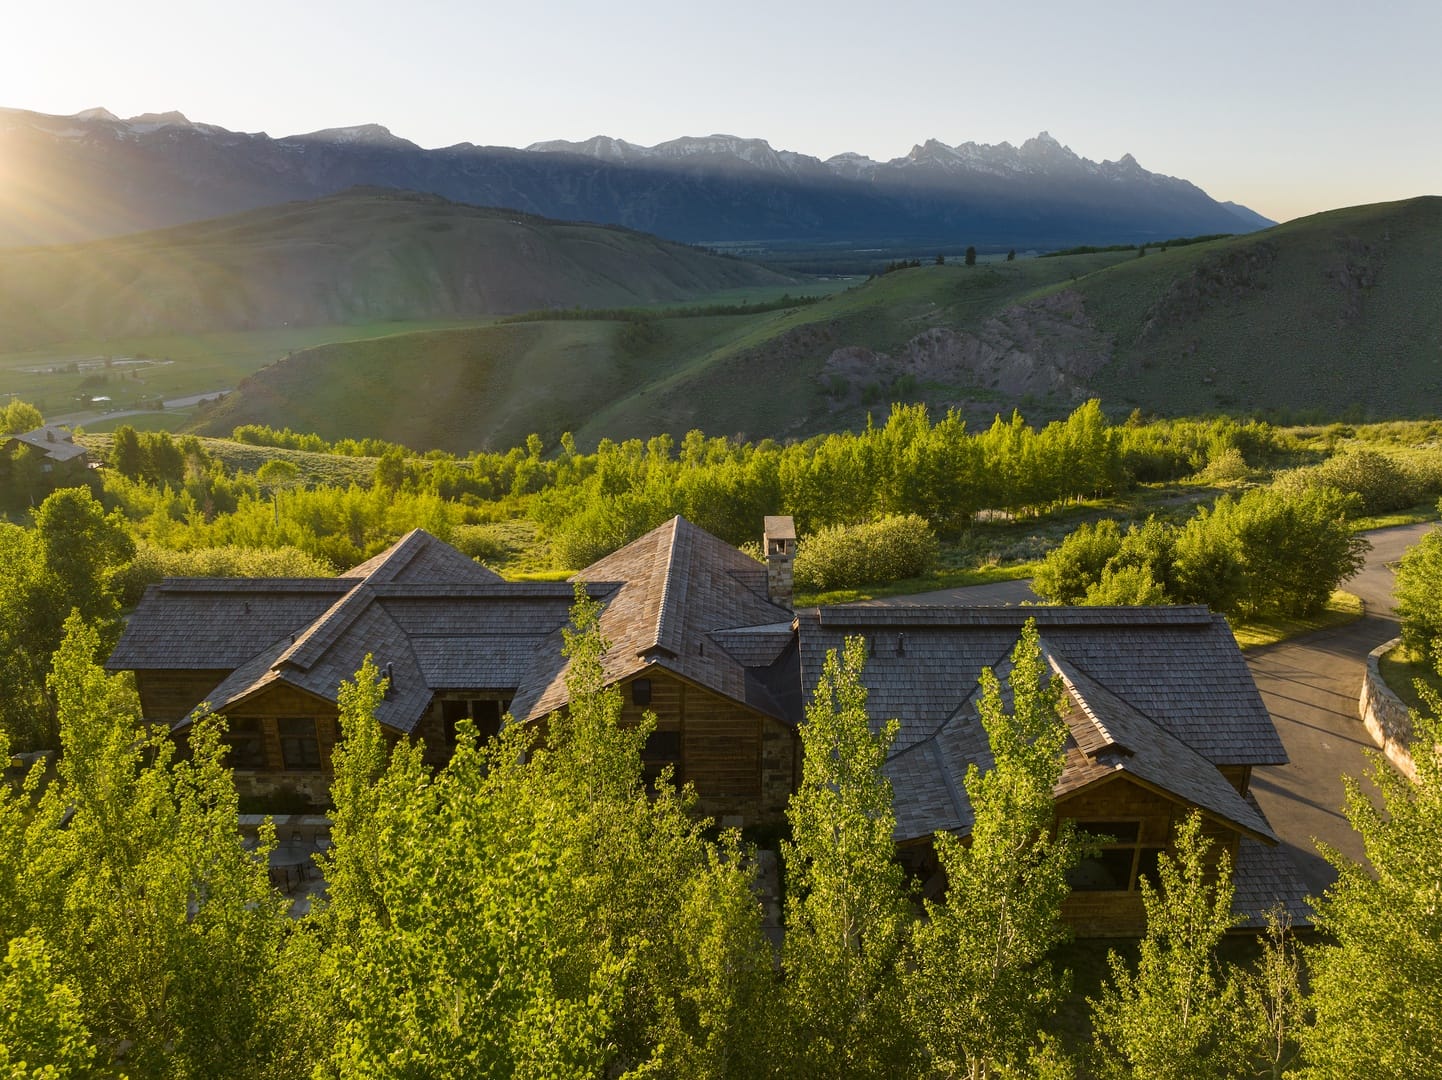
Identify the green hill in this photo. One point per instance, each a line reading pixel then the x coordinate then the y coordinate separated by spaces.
pixel 359 257
pixel 1333 316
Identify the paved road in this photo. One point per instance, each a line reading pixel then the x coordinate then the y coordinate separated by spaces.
pixel 1310 685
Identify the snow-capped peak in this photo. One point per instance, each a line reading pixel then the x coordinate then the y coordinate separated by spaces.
pixel 97 113
pixel 363 134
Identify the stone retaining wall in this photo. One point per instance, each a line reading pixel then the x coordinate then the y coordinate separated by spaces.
pixel 1384 715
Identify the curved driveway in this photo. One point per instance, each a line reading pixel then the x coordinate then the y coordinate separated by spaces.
pixel 1310 685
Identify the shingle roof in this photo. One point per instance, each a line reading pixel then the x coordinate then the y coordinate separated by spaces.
pixel 1264 877
pixel 1110 736
pixel 439 620
pixel 678 586
pixel 1178 665
pixel 1159 694
pixel 54 442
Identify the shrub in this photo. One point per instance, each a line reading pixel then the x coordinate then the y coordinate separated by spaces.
pixel 844 556
pixel 1419 596
pixel 480 542
pixel 152 564
pixel 1077 563
pixel 1379 482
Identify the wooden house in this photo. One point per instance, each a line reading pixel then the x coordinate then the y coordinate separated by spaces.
pixel 1162 712
pixel 693 638
pixel 1163 719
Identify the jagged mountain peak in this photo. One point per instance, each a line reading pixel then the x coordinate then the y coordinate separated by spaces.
pixel 97 113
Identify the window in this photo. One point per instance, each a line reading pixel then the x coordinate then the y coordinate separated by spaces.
pixel 245 742
pixel 485 713
pixel 641 693
pixel 299 747
pixel 662 748
pixel 1122 861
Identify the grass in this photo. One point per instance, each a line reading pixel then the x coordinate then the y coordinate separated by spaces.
pixel 1342 608
pixel 1414 515
pixel 1400 670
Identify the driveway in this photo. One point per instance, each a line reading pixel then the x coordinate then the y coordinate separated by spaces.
pixel 1310 686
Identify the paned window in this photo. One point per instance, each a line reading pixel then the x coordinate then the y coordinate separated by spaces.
pixel 299 747
pixel 245 742
pixel 485 713
pixel 1122 861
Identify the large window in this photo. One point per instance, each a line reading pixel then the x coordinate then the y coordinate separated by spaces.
pixel 299 747
pixel 485 713
pixel 245 742
pixel 1122 861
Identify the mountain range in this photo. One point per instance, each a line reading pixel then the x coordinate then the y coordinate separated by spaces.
pixel 94 175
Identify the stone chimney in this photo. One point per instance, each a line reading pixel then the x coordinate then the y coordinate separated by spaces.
pixel 779 541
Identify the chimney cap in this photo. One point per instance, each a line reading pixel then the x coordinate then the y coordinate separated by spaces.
pixel 781 527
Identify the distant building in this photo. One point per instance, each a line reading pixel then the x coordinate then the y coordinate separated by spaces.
pixel 1162 712
pixel 37 462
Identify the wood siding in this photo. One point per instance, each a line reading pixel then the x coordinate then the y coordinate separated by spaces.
pixel 1120 913
pixel 742 763
pixel 167 697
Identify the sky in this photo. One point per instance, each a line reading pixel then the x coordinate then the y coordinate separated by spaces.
pixel 1287 107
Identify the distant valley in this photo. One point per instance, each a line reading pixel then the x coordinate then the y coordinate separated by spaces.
pixel 1328 317
pixel 94 175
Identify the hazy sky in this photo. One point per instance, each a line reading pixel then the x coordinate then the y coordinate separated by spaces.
pixel 1288 107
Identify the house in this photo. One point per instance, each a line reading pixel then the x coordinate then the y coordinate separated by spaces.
pixel 54 460
pixel 694 638
pixel 1161 709
pixel 1163 718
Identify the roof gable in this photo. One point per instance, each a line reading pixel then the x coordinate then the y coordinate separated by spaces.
pixel 677 585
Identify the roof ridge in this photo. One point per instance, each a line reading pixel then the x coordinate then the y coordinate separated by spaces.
pixel 673 591
pixel 1064 668
pixel 311 644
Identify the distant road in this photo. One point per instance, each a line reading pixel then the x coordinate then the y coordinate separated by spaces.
pixel 81 418
pixel 1310 685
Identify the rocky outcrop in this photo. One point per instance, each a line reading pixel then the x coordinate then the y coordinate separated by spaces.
pixel 1045 348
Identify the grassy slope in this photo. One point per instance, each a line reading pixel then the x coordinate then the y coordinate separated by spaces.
pixel 1325 315
pixel 1339 316
pixel 358 257
pixel 753 375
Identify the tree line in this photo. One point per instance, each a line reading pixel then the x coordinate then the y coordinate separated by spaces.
pixel 534 909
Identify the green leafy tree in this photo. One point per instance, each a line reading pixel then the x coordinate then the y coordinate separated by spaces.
pixel 1377 980
pixel 1296 548
pixel 126 453
pixel 1275 1000
pixel 1077 563
pixel 42 1035
pixel 137 878
pixel 1418 591
pixel 980 983
pixel 1180 1015
pixel 605 934
pixel 847 913
pixel 19 417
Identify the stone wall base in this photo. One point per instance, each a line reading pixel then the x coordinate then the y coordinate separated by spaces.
pixel 1383 714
